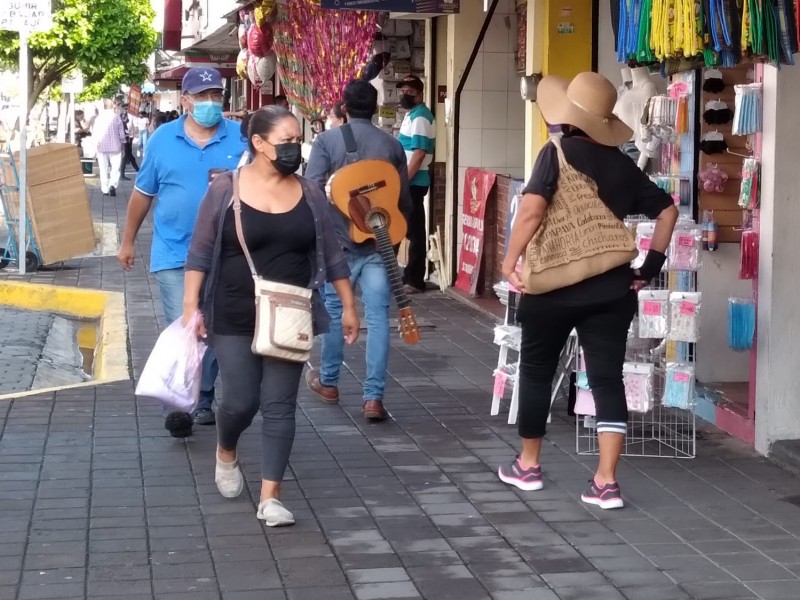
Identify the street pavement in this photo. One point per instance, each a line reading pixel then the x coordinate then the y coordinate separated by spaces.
pixel 97 501
pixel 23 336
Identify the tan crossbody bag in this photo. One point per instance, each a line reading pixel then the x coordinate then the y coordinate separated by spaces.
pixel 284 323
pixel 579 236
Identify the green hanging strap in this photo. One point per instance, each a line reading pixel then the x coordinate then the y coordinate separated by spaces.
pixel 644 52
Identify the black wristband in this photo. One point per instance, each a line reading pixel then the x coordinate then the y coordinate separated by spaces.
pixel 652 265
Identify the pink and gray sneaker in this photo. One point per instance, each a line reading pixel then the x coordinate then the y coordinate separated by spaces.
pixel 529 480
pixel 606 497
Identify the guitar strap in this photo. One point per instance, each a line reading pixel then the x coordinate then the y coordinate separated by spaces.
pixel 349 143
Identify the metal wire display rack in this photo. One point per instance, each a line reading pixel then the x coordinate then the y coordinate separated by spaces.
pixel 661 432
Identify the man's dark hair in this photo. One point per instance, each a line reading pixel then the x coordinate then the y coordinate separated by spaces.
pixel 280 99
pixel 361 99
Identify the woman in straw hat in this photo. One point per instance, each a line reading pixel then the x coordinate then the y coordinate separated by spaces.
pixel 601 307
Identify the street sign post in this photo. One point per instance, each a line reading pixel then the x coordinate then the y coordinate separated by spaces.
pixel 72 85
pixel 25 17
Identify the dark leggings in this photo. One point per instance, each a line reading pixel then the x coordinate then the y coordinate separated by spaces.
pixel 602 332
pixel 249 383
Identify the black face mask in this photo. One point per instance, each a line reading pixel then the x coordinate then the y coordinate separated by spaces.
pixel 288 158
pixel 407 101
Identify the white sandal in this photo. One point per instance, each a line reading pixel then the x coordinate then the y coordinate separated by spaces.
pixel 273 513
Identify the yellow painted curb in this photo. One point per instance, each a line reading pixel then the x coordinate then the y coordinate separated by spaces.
pixel 108 308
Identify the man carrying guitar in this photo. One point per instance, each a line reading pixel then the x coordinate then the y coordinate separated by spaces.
pixel 358 140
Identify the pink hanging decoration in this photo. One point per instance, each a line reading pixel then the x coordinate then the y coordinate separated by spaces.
pixel 252 70
pixel 319 51
pixel 255 41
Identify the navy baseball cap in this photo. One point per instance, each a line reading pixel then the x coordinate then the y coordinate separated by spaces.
pixel 200 79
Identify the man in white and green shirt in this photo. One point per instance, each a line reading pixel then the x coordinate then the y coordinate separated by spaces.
pixel 417 135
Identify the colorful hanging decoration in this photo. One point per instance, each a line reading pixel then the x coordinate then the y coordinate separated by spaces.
pixel 684 34
pixel 319 51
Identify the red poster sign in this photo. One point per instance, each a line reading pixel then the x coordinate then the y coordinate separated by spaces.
pixel 478 185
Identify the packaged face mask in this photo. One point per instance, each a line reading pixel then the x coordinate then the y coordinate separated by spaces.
pixel 684 317
pixel 638 380
pixel 679 386
pixel 653 314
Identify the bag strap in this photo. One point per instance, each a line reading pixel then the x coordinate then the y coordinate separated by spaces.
pixel 237 218
pixel 350 146
pixel 562 160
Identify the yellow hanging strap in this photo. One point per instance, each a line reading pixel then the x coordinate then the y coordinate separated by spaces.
pixel 746 26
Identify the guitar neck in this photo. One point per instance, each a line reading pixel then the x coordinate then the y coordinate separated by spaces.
pixel 392 268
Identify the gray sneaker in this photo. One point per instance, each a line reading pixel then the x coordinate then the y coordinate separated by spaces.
pixel 205 416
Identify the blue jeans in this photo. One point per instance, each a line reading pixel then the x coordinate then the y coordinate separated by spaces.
pixel 368 271
pixel 170 284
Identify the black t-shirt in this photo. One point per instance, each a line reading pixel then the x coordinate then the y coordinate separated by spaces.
pixel 280 244
pixel 621 185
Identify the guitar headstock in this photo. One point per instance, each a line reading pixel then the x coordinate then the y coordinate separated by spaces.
pixel 408 326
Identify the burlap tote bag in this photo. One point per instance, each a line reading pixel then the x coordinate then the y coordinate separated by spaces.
pixel 579 236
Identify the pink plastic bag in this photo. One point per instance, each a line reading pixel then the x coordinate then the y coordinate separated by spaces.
pixel 173 371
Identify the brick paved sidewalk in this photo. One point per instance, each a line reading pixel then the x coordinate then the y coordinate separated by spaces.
pixel 96 501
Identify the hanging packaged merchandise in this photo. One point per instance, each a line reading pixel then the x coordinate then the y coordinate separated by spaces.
pixel 653 314
pixel 679 386
pixel 713 179
pixel 713 142
pixel 584 400
pixel 685 247
pixel 717 113
pixel 748 112
pixel 748 194
pixel 712 81
pixel 644 235
pixel 710 229
pixel 638 380
pixel 684 316
pixel 741 324
pixel 748 263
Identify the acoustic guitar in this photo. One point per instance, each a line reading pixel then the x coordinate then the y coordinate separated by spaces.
pixel 367 192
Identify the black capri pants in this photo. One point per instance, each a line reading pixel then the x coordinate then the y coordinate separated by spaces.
pixel 603 333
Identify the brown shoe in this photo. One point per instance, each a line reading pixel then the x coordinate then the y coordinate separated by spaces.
pixel 373 410
pixel 328 394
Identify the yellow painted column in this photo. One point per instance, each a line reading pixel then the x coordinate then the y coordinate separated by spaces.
pixel 559 43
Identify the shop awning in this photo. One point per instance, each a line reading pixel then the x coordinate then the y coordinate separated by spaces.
pixel 223 39
pixel 432 7
pixel 226 69
pixel 173 25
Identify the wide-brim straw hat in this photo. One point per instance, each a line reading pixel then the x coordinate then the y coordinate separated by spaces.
pixel 587 102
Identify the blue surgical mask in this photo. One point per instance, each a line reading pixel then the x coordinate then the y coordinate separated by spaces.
pixel 207 113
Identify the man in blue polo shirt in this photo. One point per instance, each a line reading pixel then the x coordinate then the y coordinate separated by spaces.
pixel 182 158
pixel 417 135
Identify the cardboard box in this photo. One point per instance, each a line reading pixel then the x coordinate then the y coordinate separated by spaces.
pixel 57 203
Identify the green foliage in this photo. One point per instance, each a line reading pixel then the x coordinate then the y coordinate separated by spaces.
pixel 108 40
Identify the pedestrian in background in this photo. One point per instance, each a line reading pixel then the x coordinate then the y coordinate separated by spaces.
pixel 182 158
pixel 287 229
pixel 127 151
pixel 336 116
pixel 418 137
pixel 600 308
pixel 109 134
